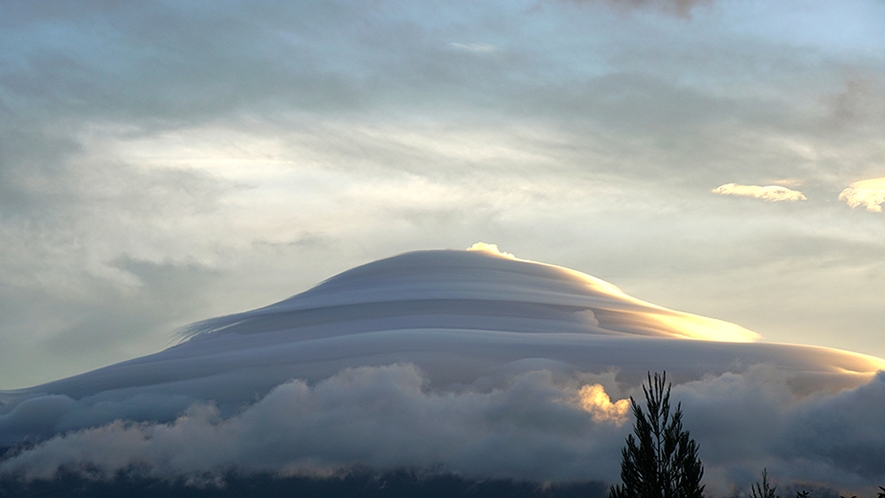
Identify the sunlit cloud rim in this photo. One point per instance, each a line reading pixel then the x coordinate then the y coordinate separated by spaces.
pixel 867 193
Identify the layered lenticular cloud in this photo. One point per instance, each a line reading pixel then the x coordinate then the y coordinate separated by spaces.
pixel 867 193
pixel 467 361
pixel 771 193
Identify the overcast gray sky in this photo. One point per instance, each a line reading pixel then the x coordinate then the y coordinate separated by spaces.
pixel 164 162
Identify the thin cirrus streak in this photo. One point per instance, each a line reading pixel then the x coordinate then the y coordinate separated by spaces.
pixel 472 361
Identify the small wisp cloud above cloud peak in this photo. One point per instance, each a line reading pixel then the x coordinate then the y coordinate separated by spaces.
pixel 473 362
pixel 161 163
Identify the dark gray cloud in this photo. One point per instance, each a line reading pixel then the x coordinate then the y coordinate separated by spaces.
pixel 836 429
pixel 169 67
pixel 383 417
pixel 387 417
pixel 812 440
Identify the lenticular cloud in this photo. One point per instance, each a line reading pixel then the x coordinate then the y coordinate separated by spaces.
pixel 467 361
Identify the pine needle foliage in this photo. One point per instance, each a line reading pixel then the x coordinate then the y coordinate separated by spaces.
pixel 660 460
pixel 764 490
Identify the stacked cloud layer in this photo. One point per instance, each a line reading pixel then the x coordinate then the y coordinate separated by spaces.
pixel 469 361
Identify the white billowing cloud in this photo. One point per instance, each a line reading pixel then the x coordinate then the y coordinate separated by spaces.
pixel 595 400
pixel 384 417
pixel 388 416
pixel 867 193
pixel 490 249
pixel 771 193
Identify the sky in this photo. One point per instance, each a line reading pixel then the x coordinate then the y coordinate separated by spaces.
pixel 166 162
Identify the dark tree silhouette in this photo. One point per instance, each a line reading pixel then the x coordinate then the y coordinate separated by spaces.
pixel 765 490
pixel 882 494
pixel 660 460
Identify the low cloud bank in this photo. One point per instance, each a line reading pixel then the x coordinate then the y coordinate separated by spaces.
pixel 540 426
pixel 771 193
pixel 750 421
pixel 382 417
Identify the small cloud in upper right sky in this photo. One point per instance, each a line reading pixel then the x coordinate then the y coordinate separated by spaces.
pixel 771 193
pixel 868 193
